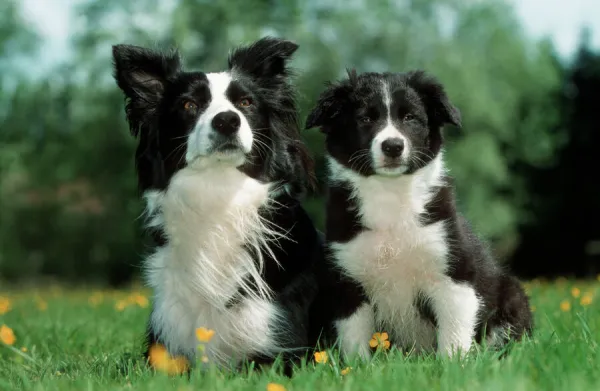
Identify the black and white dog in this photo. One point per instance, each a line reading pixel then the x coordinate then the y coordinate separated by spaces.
pixel 222 167
pixel 401 259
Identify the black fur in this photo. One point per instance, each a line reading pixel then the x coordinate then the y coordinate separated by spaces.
pixel 351 113
pixel 155 86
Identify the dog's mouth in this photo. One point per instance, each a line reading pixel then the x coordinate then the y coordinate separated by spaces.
pixel 228 147
pixel 392 167
pixel 394 164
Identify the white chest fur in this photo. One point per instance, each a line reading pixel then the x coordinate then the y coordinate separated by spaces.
pixel 209 215
pixel 397 257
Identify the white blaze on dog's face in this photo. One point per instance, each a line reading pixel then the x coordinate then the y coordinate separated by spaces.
pixel 222 129
pixel 390 148
pixel 384 123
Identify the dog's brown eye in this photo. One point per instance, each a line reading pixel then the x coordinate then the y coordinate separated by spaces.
pixel 365 119
pixel 190 106
pixel 408 117
pixel 245 102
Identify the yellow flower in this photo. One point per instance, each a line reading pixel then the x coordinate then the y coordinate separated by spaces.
pixel 345 371
pixel 586 299
pixel 95 299
pixel 321 357
pixel 565 306
pixel 381 340
pixel 575 292
pixel 24 349
pixel 275 387
pixel 4 305
pixel 162 361
pixel 7 336
pixel 141 300
pixel 121 305
pixel 204 335
pixel 42 305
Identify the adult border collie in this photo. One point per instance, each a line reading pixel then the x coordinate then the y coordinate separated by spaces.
pixel 401 259
pixel 222 167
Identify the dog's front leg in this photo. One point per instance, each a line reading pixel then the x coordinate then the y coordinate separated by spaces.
pixel 355 331
pixel 456 306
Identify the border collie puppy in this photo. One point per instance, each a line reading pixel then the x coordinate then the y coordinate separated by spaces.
pixel 401 259
pixel 222 168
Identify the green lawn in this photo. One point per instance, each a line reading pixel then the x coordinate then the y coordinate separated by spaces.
pixel 88 340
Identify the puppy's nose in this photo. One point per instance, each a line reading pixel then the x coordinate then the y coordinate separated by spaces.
pixel 392 147
pixel 226 122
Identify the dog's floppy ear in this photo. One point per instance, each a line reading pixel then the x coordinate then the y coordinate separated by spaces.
pixel 439 109
pixel 331 102
pixel 328 107
pixel 265 58
pixel 142 75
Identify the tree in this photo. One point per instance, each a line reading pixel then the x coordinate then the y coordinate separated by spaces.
pixel 563 235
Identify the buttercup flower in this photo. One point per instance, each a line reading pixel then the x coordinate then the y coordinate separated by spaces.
pixel 42 305
pixel 321 357
pixel 204 335
pixel 345 371
pixel 140 300
pixel 4 305
pixel 161 360
pixel 575 292
pixel 586 299
pixel 7 336
pixel 275 387
pixel 380 340
pixel 95 299
pixel 565 306
pixel 120 305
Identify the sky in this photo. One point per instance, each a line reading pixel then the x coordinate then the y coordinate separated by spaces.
pixel 53 20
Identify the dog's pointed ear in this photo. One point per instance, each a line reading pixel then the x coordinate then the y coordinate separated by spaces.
pixel 439 109
pixel 142 75
pixel 267 57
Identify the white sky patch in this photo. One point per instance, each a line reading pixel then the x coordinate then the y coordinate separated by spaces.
pixel 562 21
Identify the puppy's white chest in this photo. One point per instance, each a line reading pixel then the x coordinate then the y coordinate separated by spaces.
pixel 395 252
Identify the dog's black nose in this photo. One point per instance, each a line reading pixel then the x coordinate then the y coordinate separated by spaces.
pixel 392 147
pixel 227 122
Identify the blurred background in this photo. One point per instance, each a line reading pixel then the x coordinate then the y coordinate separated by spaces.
pixel 525 75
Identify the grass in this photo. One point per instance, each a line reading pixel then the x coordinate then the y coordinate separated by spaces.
pixel 86 340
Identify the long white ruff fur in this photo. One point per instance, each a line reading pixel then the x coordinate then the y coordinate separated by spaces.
pixel 209 214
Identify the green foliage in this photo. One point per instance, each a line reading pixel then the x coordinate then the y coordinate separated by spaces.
pixel 69 131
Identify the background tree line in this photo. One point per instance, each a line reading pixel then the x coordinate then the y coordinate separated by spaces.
pixel 524 160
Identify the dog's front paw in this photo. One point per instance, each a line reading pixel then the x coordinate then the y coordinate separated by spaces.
pixel 454 349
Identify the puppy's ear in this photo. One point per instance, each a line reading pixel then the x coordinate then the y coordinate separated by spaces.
pixel 328 107
pixel 439 109
pixel 265 58
pixel 142 75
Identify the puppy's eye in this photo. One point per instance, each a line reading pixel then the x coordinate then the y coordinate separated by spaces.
pixel 190 106
pixel 408 117
pixel 366 119
pixel 245 102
